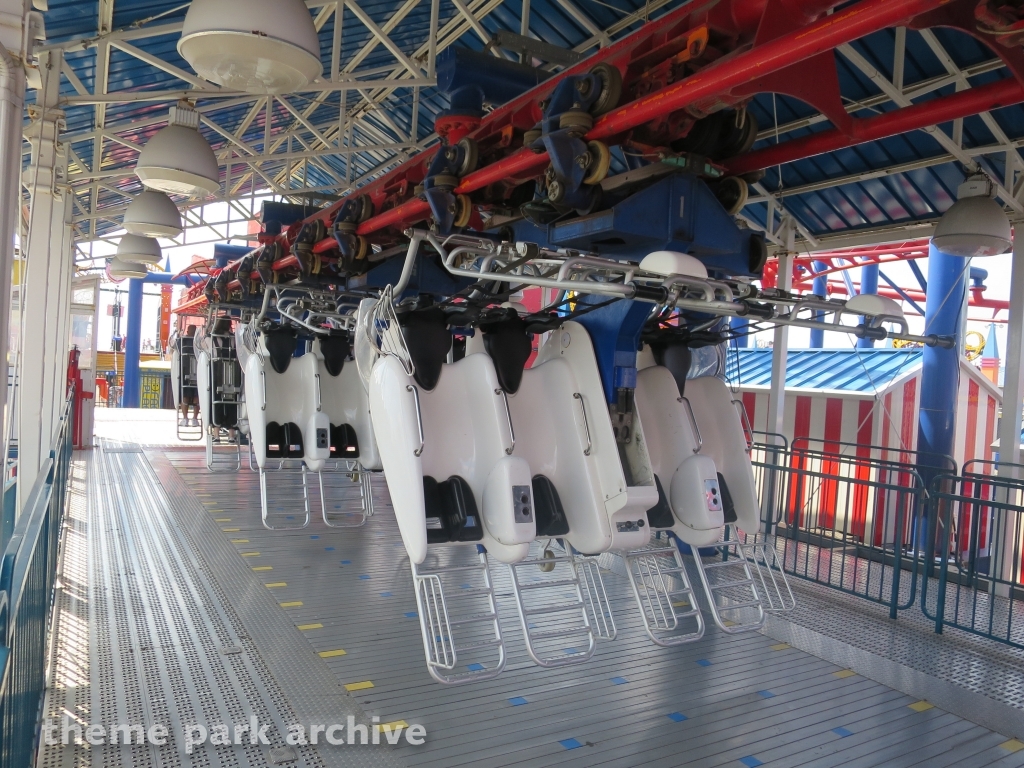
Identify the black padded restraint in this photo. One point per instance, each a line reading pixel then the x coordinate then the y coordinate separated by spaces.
pixel 335 350
pixel 660 515
pixel 281 346
pixel 509 347
pixel 551 519
pixel 677 357
pixel 728 507
pixel 427 336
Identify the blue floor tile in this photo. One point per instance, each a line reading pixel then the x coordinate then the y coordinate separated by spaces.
pixel 750 761
pixel 517 701
pixel 619 680
pixel 676 717
pixel 766 694
pixel 844 732
pixel 570 743
pixel 704 662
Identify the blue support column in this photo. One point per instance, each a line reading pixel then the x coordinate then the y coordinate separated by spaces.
pixel 132 346
pixel 940 373
pixel 868 284
pixel 819 288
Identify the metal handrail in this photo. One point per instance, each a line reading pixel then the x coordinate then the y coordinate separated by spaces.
pixel 27 577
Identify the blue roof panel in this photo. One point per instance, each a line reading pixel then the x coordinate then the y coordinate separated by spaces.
pixel 848 370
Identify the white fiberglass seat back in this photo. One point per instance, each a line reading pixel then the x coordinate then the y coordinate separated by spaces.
pixel 686 476
pixel 285 420
pixel 346 403
pixel 184 384
pixel 698 453
pixel 724 441
pixel 563 430
pixel 445 440
pixel 346 491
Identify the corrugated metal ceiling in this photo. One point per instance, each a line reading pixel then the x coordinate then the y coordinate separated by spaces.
pixel 913 195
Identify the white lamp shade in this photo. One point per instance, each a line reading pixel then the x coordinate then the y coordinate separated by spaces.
pixel 973 226
pixel 873 305
pixel 152 214
pixel 120 269
pixel 256 46
pixel 179 161
pixel 138 249
pixel 673 263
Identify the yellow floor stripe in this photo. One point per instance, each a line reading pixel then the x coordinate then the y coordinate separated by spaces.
pixel 391 726
pixel 222 519
pixel 275 584
pixel 291 604
pixel 358 686
pixel 1013 745
pixel 920 706
pixel 239 541
pixel 304 627
pixel 729 623
pixel 332 654
pixel 250 554
pixel 780 647
pixel 681 604
pixel 263 568
pixel 231 530
pixel 844 673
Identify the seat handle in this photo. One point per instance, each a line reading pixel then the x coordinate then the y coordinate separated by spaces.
pixel 317 376
pixel 508 415
pixel 586 424
pixel 693 423
pixel 419 417
pixel 748 431
pixel 263 378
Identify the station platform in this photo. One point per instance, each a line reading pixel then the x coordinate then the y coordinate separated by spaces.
pixel 176 606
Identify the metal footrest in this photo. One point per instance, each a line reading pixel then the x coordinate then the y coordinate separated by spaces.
pixel 191 434
pixel 459 620
pixel 771 585
pixel 563 607
pixel 730 587
pixel 229 458
pixel 664 595
pixel 289 482
pixel 346 497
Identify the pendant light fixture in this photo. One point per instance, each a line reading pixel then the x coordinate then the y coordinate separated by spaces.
pixel 118 269
pixel 975 225
pixel 178 160
pixel 256 46
pixel 152 214
pixel 138 249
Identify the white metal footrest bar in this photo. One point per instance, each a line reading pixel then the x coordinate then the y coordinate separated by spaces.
pixel 229 457
pixel 772 584
pixel 664 595
pixel 459 621
pixel 599 609
pixel 730 587
pixel 189 433
pixel 289 482
pixel 345 501
pixel 553 609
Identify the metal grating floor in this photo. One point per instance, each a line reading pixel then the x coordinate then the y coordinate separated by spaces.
pixel 178 566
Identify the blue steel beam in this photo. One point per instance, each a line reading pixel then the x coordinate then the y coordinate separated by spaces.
pixel 940 375
pixel 819 287
pixel 868 284
pixel 132 346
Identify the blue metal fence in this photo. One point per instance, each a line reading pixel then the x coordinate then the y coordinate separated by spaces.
pixel 27 574
pixel 847 522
